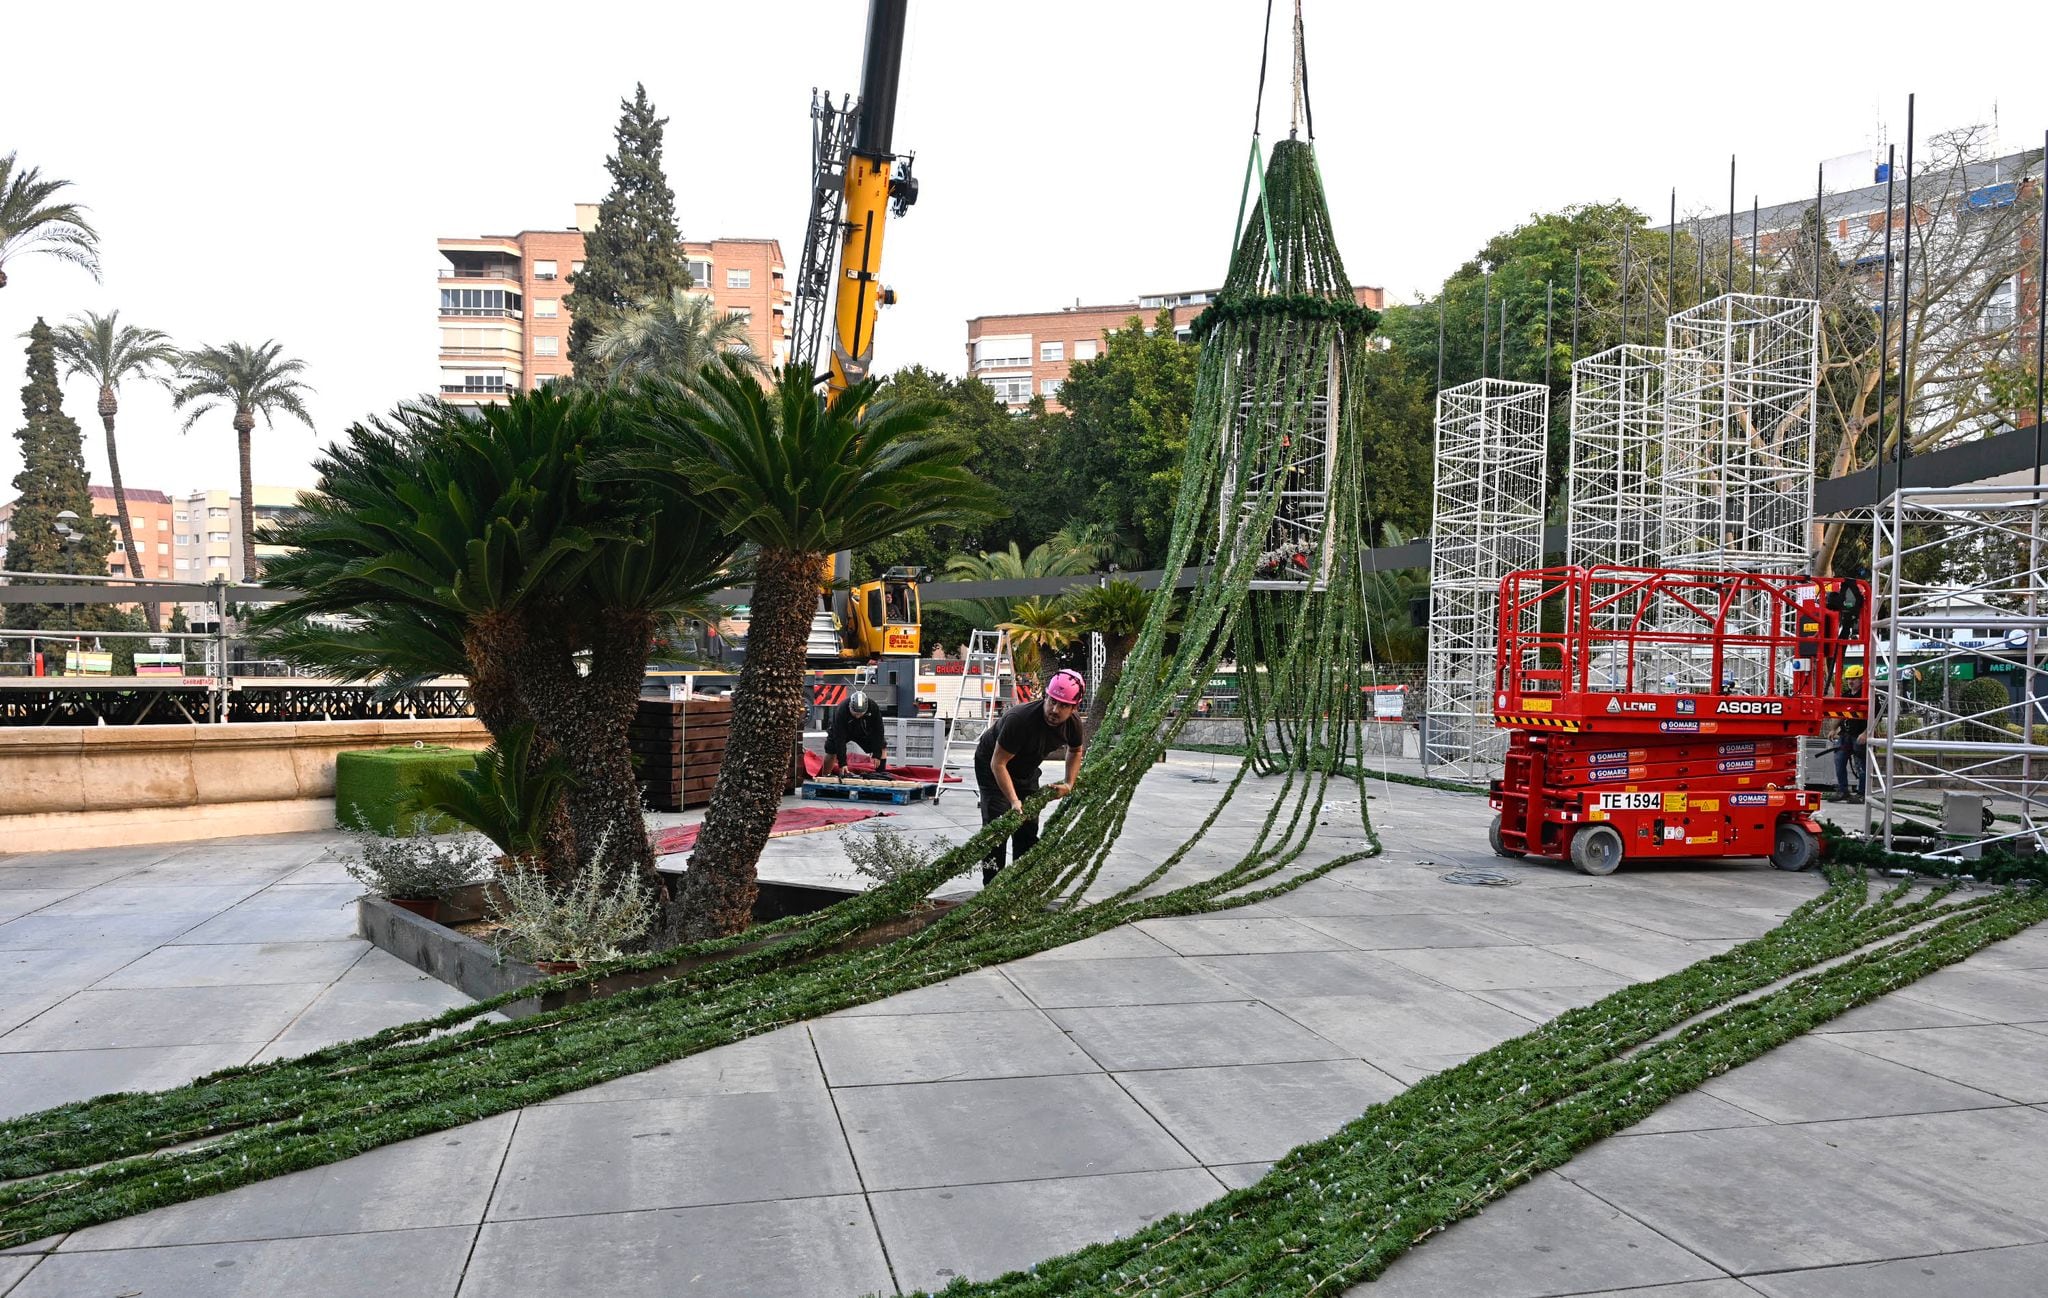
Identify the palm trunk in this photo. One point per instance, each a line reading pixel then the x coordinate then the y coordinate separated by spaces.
pixel 717 895
pixel 500 654
pixel 245 421
pixel 588 725
pixel 108 409
pixel 1115 649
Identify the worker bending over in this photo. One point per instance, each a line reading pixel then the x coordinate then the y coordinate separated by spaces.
pixel 1007 760
pixel 855 721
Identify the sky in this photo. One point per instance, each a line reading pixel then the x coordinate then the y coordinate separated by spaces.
pixel 262 171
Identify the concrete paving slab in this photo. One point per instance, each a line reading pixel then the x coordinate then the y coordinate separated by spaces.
pixel 438 1180
pixel 16 902
pixel 1403 932
pixel 678 1152
pixel 1676 917
pixel 416 1263
pixel 30 971
pixel 781 1060
pixel 17 1010
pixel 1729 1288
pixel 1548 925
pixel 2027 951
pixel 1406 1035
pixel 1696 1111
pixel 1254 1112
pixel 2004 1060
pixel 1124 942
pixel 188 869
pixel 1011 1129
pixel 121 899
pixel 1237 1176
pixel 285 913
pixel 130 929
pixel 1542 1004
pixel 1993 995
pixel 1984 1273
pixel 1898 1011
pixel 1488 968
pixel 353 1007
pixel 1234 936
pixel 1995 1160
pixel 1544 1238
pixel 43 1079
pixel 1642 961
pixel 886 1049
pixel 379 964
pixel 1121 1038
pixel 19 872
pixel 1144 980
pixel 1753 1199
pixel 1811 1079
pixel 1293 974
pixel 163 1016
pixel 13 1269
pixel 239 965
pixel 983 1231
pixel 985 989
pixel 823 1246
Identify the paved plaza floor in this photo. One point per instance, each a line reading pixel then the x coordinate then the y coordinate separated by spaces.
pixel 1012 1114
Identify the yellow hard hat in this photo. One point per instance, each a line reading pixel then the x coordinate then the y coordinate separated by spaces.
pixel 1853 672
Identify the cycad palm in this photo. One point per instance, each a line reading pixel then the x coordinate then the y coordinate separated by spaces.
pixel 1038 627
pixel 1116 611
pixel 675 336
pixel 30 222
pixel 478 543
pixel 248 380
pixel 107 352
pixel 799 480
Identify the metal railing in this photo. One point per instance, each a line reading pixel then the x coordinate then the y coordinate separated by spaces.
pixel 474 272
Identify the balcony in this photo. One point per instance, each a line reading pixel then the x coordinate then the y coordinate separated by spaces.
pixel 500 312
pixel 509 271
pixel 481 351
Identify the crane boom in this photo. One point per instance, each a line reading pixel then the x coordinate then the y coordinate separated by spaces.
pixel 875 184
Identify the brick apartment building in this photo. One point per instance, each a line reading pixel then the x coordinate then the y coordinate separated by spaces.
pixel 149 512
pixel 1027 355
pixel 505 327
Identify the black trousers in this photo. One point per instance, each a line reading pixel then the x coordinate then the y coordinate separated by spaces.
pixel 994 806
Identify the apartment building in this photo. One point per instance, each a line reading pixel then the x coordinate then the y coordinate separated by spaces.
pixel 149 513
pixel 1029 354
pixel 505 326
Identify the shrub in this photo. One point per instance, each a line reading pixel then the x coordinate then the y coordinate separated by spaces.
pixel 597 915
pixel 418 866
pixel 507 795
pixel 1984 696
pixel 884 853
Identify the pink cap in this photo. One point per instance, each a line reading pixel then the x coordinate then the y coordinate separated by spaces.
pixel 1066 687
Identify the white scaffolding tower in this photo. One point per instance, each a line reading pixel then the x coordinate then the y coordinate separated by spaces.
pixel 1491 443
pixel 1737 494
pixel 1297 469
pixel 1959 596
pixel 1617 457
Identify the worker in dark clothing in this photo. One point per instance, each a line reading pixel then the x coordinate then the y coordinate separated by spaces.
pixel 1007 760
pixel 1852 744
pixel 1845 607
pixel 855 721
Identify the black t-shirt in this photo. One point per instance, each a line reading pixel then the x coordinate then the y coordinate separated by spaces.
pixel 845 728
pixel 1028 737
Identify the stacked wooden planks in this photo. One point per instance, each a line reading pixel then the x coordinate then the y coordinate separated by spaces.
pixel 678 745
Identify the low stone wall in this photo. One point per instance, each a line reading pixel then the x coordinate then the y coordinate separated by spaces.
pixel 104 786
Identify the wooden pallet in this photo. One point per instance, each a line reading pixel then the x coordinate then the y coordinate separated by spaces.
pixel 898 792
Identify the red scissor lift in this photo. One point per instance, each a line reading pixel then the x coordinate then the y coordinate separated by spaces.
pixel 1664 718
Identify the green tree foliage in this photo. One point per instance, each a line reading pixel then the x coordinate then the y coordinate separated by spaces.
pixel 1039 629
pixel 1051 559
pixel 52 482
pixel 635 253
pixel 676 335
pixel 249 381
pixel 31 221
pixel 1117 449
pixel 1116 611
pixel 1396 423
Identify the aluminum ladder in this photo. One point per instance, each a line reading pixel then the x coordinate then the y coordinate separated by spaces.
pixel 989 652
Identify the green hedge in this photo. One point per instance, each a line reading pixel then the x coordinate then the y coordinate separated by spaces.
pixel 374 789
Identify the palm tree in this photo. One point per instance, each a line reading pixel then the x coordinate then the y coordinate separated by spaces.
pixel 677 335
pixel 250 380
pixel 106 351
pixel 1116 611
pixel 445 541
pixel 1038 627
pixel 1051 558
pixel 31 223
pixel 799 479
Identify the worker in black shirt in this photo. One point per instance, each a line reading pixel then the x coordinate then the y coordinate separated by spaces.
pixel 1007 759
pixel 855 721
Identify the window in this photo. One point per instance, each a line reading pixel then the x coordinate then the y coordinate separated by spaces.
pixel 741 313
pixel 1052 351
pixel 739 279
pixel 1050 389
pixel 1010 351
pixel 164 524
pixel 544 380
pixel 477 383
pixel 217 536
pixel 700 272
pixel 216 512
pixel 217 561
pixel 479 301
pixel 575 268
pixel 181 516
pixel 1011 390
pixel 183 539
pixel 183 565
pixel 547 345
pixel 163 572
pixel 161 548
pixel 543 270
pixel 1998 312
pixel 1084 350
pixel 547 308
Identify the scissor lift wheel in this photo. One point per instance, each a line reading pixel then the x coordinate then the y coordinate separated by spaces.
pixel 1499 848
pixel 1793 848
pixel 1597 849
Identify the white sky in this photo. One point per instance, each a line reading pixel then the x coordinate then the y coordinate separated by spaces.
pixel 281 171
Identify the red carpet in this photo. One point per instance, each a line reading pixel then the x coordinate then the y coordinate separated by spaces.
pixel 807 819
pixel 861 764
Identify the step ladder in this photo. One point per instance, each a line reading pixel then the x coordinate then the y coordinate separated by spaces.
pixel 986 665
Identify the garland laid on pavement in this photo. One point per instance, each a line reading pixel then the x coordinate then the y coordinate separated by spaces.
pixel 1337 1211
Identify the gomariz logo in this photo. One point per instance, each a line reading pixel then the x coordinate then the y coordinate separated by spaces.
pixel 1749 799
pixel 1749 708
pixel 1679 727
pixel 1610 757
pixel 1741 764
pixel 1733 750
pixel 1610 773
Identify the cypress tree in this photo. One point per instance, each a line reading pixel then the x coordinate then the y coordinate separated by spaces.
pixel 52 480
pixel 636 250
